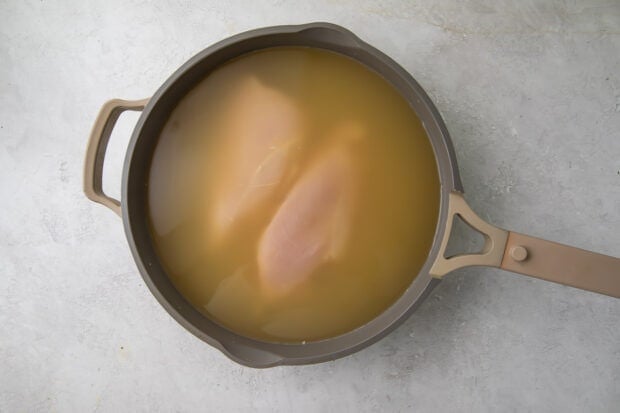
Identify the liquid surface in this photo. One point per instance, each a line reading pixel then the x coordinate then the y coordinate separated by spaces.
pixel 293 195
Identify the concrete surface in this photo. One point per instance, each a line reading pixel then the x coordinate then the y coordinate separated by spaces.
pixel 530 91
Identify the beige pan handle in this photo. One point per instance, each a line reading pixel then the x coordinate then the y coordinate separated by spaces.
pixel 97 144
pixel 528 255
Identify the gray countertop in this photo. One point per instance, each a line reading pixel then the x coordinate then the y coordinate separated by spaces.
pixel 530 92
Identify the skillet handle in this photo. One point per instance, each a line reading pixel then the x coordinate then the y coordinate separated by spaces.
pixel 562 264
pixel 97 144
pixel 528 255
pixel 494 240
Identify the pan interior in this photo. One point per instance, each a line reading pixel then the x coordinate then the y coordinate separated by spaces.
pixel 391 188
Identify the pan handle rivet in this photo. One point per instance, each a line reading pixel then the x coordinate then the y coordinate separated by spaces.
pixel 518 253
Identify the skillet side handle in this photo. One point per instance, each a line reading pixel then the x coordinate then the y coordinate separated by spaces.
pixel 494 240
pixel 97 144
pixel 562 264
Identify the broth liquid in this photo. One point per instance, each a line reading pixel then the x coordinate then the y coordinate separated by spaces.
pixel 389 222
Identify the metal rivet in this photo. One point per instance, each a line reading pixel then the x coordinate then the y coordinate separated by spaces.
pixel 518 253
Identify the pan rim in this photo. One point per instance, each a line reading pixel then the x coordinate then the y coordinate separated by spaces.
pixel 257 353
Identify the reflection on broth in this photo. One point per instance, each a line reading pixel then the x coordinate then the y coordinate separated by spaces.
pixel 293 195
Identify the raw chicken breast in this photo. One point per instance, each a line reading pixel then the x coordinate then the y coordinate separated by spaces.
pixel 311 226
pixel 261 129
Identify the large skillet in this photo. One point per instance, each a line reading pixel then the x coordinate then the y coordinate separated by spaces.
pixel 508 250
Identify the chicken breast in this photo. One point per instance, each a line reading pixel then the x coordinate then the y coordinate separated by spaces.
pixel 312 225
pixel 260 130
